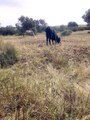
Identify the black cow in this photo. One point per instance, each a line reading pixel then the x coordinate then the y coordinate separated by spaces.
pixel 51 36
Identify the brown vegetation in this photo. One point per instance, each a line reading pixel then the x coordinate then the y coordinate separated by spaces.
pixel 48 82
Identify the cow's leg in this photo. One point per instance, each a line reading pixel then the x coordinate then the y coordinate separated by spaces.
pixel 55 39
pixel 49 41
pixel 52 41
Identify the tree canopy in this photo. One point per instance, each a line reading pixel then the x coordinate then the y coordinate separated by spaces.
pixel 26 23
pixel 86 17
pixel 72 24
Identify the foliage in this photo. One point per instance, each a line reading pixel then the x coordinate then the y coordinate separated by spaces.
pixel 72 24
pixel 8 55
pixel 66 32
pixel 63 28
pixel 8 30
pixel 26 23
pixel 86 17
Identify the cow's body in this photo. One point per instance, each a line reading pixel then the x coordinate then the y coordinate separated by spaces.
pixel 51 36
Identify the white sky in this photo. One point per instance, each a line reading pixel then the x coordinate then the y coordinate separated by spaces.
pixel 55 12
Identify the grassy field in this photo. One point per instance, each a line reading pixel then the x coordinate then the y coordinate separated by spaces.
pixel 48 82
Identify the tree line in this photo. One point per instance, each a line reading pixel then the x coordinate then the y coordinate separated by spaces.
pixel 73 26
pixel 25 24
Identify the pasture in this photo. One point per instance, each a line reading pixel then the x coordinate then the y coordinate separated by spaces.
pixel 48 82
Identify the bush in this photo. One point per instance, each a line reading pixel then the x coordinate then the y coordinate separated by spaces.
pixel 8 55
pixel 63 28
pixel 8 30
pixel 66 32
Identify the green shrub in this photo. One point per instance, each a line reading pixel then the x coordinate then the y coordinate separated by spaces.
pixel 8 55
pixel 66 32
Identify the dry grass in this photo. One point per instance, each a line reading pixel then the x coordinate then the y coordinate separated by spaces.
pixel 48 82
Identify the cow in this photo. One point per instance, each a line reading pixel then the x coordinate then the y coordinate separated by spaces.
pixel 51 36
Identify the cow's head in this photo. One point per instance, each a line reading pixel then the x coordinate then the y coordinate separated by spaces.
pixel 58 39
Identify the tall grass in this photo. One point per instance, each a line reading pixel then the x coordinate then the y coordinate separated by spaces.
pixel 48 82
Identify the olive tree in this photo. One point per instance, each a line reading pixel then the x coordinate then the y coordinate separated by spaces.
pixel 86 17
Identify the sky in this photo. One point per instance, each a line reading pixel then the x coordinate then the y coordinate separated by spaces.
pixel 54 12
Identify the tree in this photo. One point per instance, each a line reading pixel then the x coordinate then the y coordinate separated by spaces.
pixel 40 25
pixel 62 28
pixel 86 17
pixel 8 30
pixel 72 24
pixel 24 24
